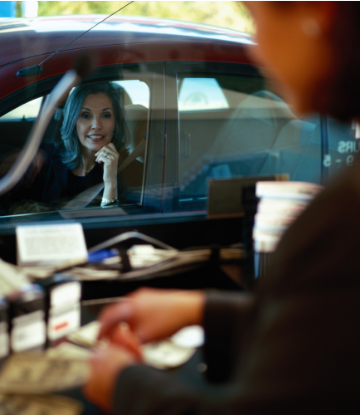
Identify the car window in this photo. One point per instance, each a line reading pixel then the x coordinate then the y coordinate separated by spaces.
pixel 137 90
pixel 201 94
pixel 27 111
pixel 46 183
pixel 236 126
pixel 223 126
pixel 226 126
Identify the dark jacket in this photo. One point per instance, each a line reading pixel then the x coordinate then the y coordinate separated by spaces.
pixel 54 185
pixel 294 349
pixel 51 186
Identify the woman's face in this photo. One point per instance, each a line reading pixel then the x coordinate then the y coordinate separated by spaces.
pixel 298 58
pixel 96 122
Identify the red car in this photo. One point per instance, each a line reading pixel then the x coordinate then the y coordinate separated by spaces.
pixel 195 109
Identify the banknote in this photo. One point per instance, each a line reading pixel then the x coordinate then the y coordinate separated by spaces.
pixel 67 350
pixel 86 335
pixel 164 354
pixel 39 405
pixel 38 373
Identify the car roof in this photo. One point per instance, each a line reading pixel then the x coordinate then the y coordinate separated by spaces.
pixel 120 39
pixel 24 38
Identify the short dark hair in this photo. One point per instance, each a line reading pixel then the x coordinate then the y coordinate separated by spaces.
pixel 71 154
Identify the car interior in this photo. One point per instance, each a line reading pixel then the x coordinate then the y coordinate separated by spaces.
pixel 221 127
pixel 260 136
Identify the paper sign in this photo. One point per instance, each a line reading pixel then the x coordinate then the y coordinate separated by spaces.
pixel 50 244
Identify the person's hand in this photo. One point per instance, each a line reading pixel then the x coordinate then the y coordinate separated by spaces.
pixel 124 337
pixel 110 158
pixel 153 314
pixel 105 367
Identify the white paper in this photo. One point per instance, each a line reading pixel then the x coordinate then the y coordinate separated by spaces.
pixel 28 332
pixel 68 292
pixel 63 323
pixel 50 244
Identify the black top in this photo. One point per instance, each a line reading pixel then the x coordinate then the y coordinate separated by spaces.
pixel 55 185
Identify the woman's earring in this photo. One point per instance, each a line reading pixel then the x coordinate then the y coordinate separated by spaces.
pixel 310 27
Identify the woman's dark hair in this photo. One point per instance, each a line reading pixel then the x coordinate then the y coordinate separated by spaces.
pixel 71 154
pixel 339 93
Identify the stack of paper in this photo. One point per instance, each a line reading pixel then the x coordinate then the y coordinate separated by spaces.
pixel 28 381
pixel 39 404
pixel 12 278
pixel 145 261
pixel 280 204
pixel 25 373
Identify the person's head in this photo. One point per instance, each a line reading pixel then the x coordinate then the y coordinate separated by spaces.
pixel 93 117
pixel 310 48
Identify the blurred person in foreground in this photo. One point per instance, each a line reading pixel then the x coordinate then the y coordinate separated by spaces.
pixel 293 346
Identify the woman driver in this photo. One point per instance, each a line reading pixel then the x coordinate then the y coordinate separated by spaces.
pixel 92 137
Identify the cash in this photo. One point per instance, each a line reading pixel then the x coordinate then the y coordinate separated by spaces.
pixel 86 335
pixel 67 350
pixel 164 354
pixel 176 350
pixel 32 373
pixel 12 278
pixel 39 405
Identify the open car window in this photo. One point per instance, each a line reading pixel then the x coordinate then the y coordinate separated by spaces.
pixel 50 184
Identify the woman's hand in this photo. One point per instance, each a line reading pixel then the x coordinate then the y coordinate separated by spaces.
pixel 153 314
pixel 105 367
pixel 122 336
pixel 106 364
pixel 110 158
